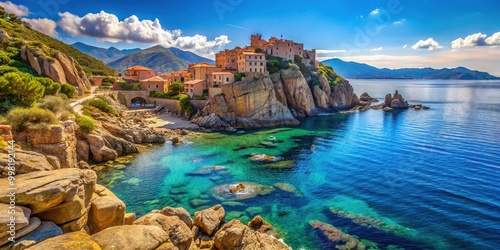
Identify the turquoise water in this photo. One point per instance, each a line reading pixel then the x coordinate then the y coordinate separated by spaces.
pixel 411 179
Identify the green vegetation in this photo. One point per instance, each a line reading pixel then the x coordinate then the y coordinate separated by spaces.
pixel 173 91
pixel 97 104
pixel 176 87
pixel 257 50
pixel 58 105
pixel 19 89
pixel 275 64
pixel 331 76
pixel 108 81
pixel 21 118
pixel 201 97
pixel 239 76
pixel 3 144
pixel 129 86
pixel 68 90
pixel 22 34
pixel 86 124
pixel 186 105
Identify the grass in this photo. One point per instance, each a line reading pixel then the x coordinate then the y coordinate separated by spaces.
pixel 91 105
pixel 86 124
pixel 21 118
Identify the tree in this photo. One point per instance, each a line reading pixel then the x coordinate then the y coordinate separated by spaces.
pixel 68 90
pixel 51 87
pixel 176 87
pixel 20 89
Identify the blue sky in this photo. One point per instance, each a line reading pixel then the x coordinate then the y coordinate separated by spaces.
pixel 389 33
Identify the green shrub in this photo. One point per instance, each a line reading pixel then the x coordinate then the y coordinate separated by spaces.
pixel 107 84
pixel 3 144
pixel 56 104
pixel 51 87
pixel 7 69
pixel 20 89
pixel 239 76
pixel 176 87
pixel 21 118
pixel 186 105
pixel 100 104
pixel 86 124
pixel 68 90
pixel 4 58
pixel 201 97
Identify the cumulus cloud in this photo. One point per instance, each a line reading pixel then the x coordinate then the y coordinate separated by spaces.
pixel 43 25
pixel 377 49
pixel 108 27
pixel 18 10
pixel 429 44
pixel 476 40
pixel 375 12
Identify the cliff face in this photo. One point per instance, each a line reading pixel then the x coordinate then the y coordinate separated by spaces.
pixel 275 100
pixel 62 69
pixel 249 103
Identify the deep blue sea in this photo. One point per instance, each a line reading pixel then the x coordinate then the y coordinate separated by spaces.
pixel 410 179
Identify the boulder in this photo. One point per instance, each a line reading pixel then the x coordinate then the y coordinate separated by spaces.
pixel 322 99
pixel 69 241
pixel 106 210
pixel 4 36
pixel 22 218
pixel 46 230
pixel 131 237
pixel 202 240
pixel 235 235
pixel 298 93
pixel 179 212
pixel 129 219
pixel 34 223
pixel 26 162
pixel 6 131
pixel 100 152
pixel 210 219
pixel 45 190
pixel 82 151
pixel 178 232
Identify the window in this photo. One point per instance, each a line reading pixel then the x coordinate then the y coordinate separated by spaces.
pixel 250 69
pixel 220 77
pixel 260 57
pixel 255 57
pixel 261 64
pixel 156 85
pixel 249 57
pixel 260 69
pixel 290 50
pixel 227 79
pixel 250 63
pixel 149 86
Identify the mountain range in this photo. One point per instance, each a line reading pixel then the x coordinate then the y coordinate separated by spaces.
pixel 356 70
pixel 159 58
pixel 105 55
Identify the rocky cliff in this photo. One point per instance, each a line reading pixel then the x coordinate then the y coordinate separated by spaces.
pixel 276 99
pixel 59 68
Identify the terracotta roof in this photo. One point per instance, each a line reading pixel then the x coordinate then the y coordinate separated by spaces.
pixel 193 82
pixel 202 64
pixel 138 68
pixel 154 79
pixel 252 53
pixel 221 73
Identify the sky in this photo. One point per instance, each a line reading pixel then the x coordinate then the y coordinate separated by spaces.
pixel 382 33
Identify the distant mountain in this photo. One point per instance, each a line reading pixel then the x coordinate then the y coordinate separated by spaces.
pixel 105 55
pixel 364 71
pixel 159 58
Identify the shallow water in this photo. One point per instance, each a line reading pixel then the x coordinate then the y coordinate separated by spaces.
pixel 412 179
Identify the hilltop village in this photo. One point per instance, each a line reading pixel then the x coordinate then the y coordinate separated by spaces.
pixel 203 80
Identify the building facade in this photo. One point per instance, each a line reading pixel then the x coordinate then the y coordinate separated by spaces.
pixel 138 73
pixel 286 49
pixel 252 62
pixel 228 59
pixel 155 83
pixel 221 78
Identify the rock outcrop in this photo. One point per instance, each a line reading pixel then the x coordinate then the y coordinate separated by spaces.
pixel 60 68
pixel 26 162
pixel 249 103
pixel 210 219
pixel 179 234
pixel 298 94
pixel 131 237
pixel 106 210
pixel 235 235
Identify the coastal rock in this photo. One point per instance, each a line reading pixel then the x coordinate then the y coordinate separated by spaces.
pixel 178 232
pixel 44 190
pixel 129 219
pixel 26 162
pixel 343 96
pixel 100 152
pixel 202 240
pixel 82 151
pixel 235 235
pixel 144 237
pixel 249 103
pixel 210 219
pixel 298 93
pixel 6 132
pixel 46 230
pixel 222 192
pixel 365 97
pixel 22 218
pixel 69 241
pixel 106 210
pixel 211 121
pixel 395 101
pixel 56 140
pixel 322 99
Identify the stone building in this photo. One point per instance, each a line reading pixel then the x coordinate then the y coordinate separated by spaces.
pixel 221 78
pixel 228 59
pixel 286 49
pixel 155 83
pixel 251 62
pixel 138 73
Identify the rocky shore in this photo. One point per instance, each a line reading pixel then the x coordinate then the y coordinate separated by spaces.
pixel 67 209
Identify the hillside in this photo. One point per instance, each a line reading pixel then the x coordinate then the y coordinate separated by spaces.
pixel 106 55
pixel 364 71
pixel 159 58
pixel 22 34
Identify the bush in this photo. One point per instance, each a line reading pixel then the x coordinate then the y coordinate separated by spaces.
pixel 4 58
pixel 56 104
pixel 21 118
pixel 107 84
pixel 68 90
pixel 20 89
pixel 239 76
pixel 201 97
pixel 51 87
pixel 3 144
pixel 86 124
pixel 176 87
pixel 128 86
pixel 186 105
pixel 99 104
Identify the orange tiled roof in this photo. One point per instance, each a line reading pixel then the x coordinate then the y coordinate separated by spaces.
pixel 154 79
pixel 138 68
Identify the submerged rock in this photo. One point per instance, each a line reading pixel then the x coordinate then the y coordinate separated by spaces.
pixel 222 192
pixel 343 240
pixel 265 158
pixel 288 188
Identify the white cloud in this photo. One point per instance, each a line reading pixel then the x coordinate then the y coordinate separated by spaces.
pixel 43 25
pixel 375 12
pixel 406 45
pixel 429 44
pixel 325 51
pixel 476 40
pixel 107 27
pixel 18 10
pixel 400 21
pixel 377 49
